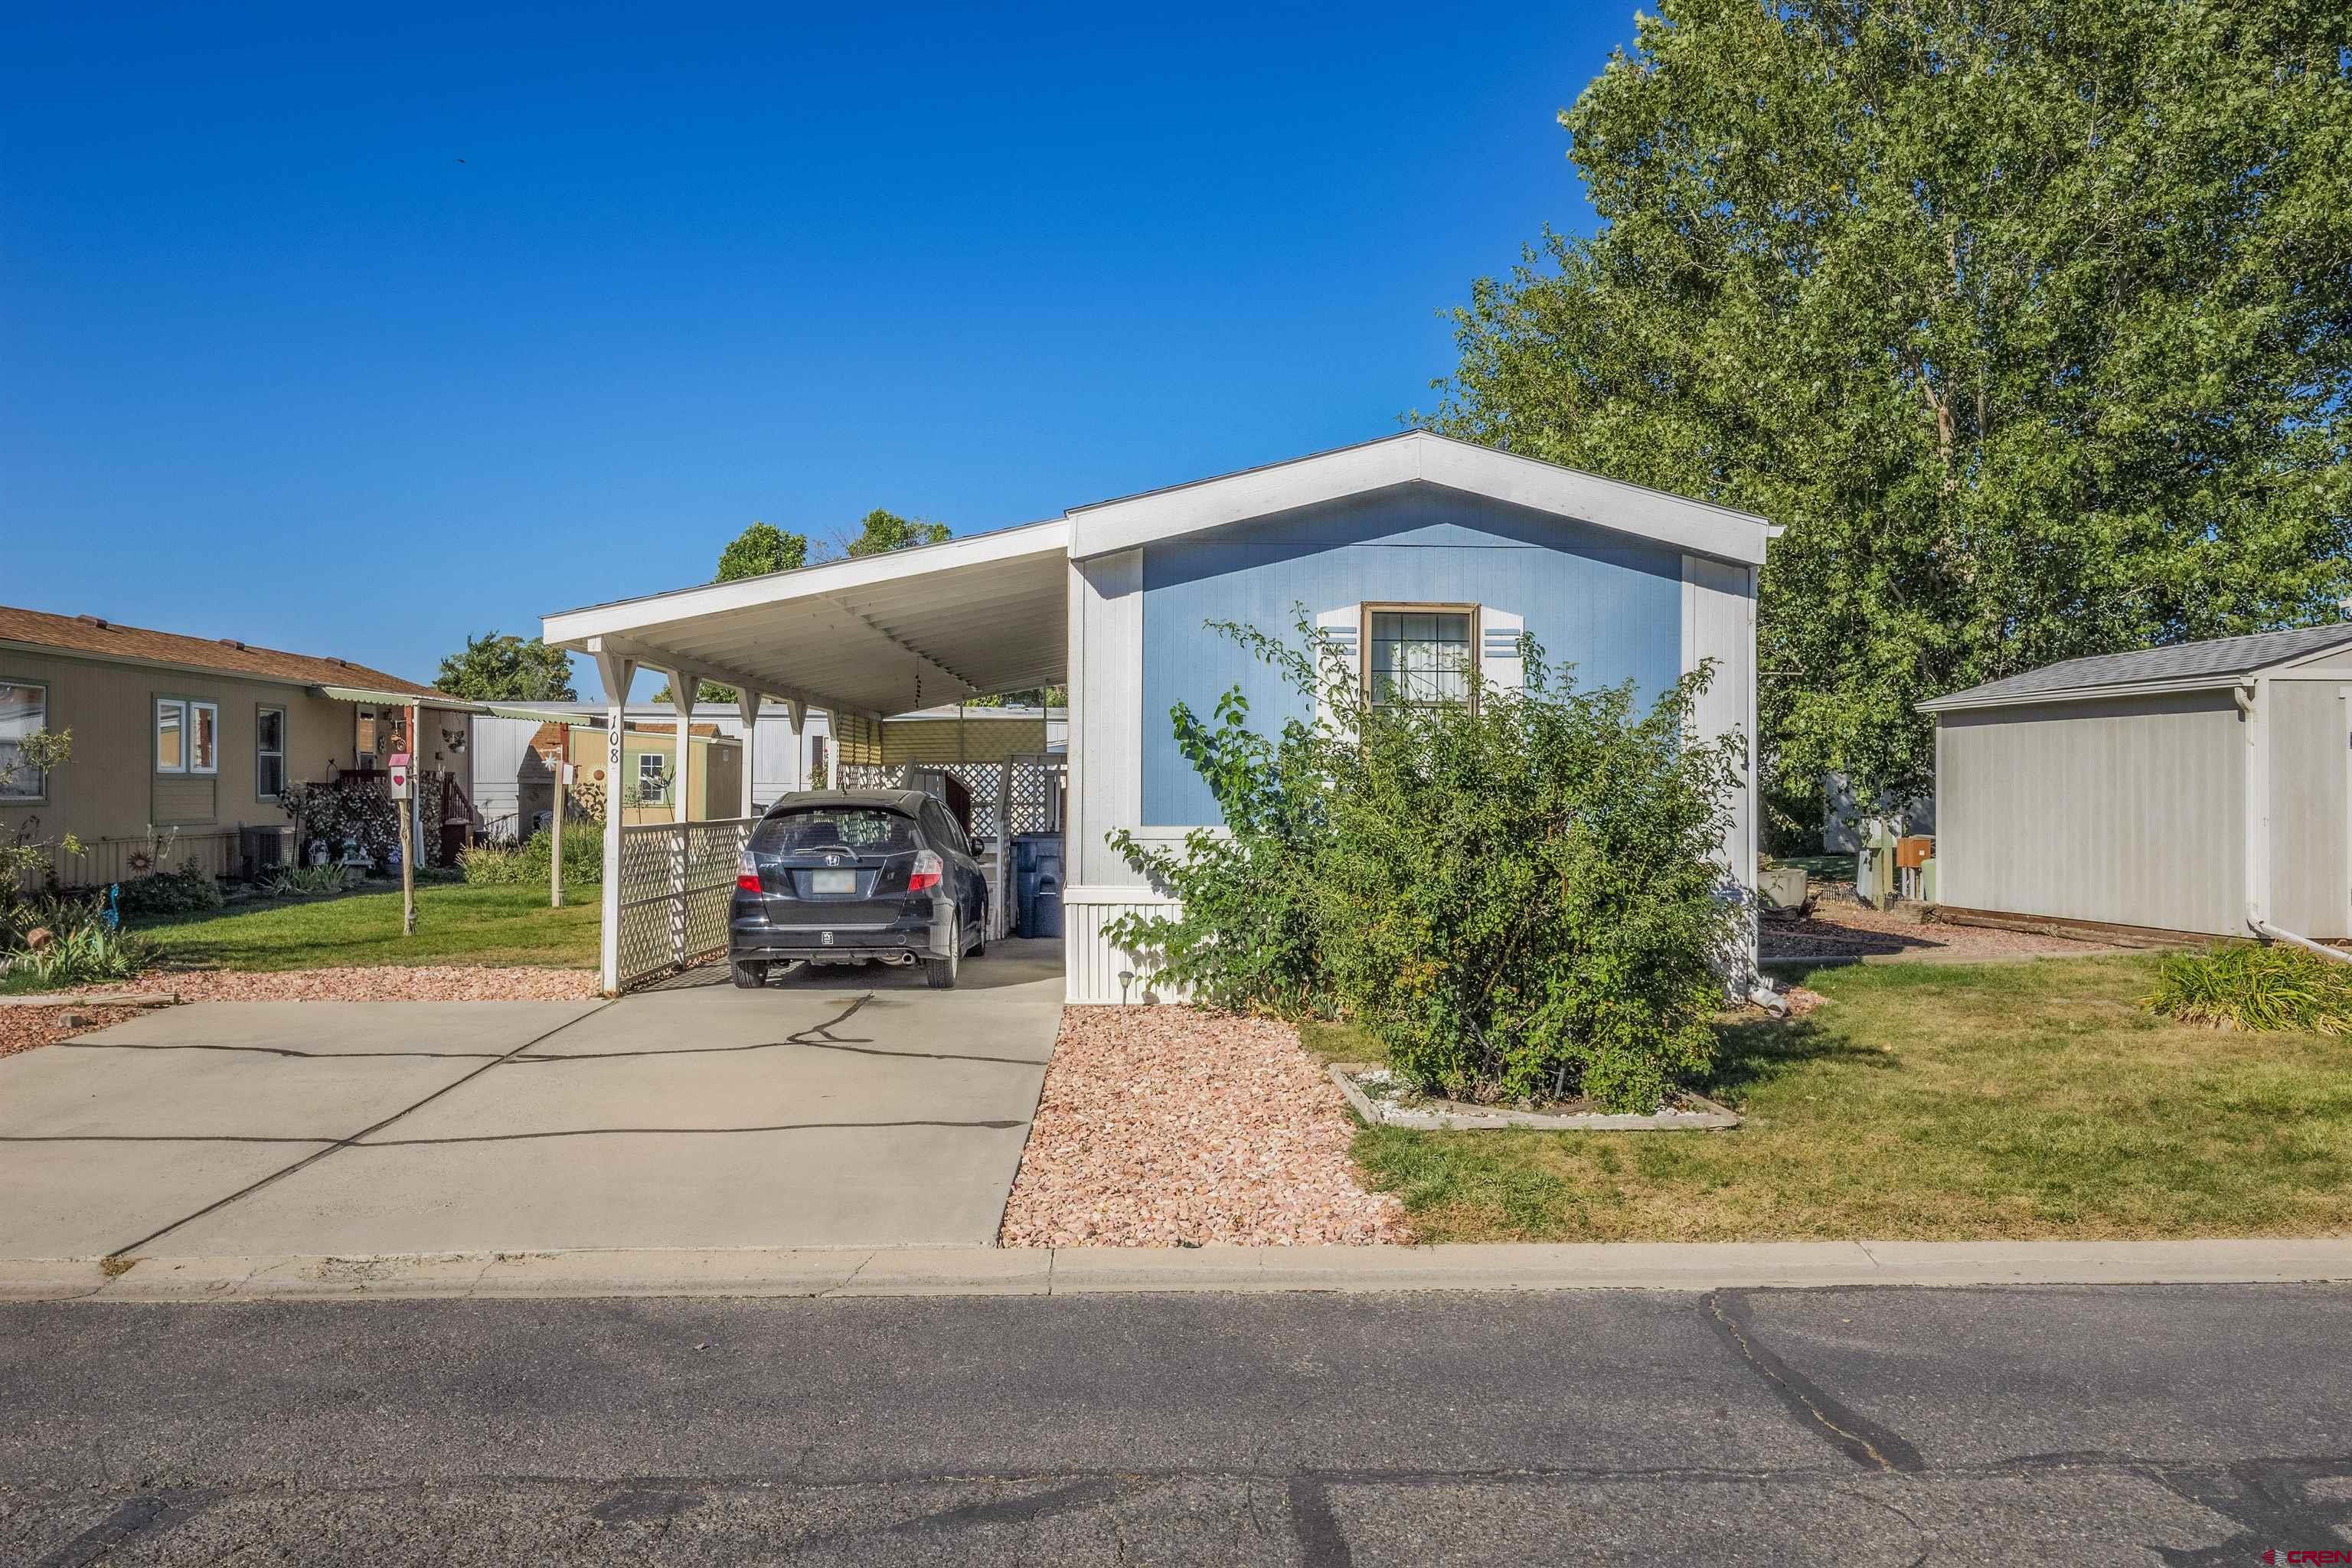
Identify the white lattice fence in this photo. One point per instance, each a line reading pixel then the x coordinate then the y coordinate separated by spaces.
pixel 676 880
pixel 1034 786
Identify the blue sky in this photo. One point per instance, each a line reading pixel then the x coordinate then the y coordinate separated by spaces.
pixel 275 364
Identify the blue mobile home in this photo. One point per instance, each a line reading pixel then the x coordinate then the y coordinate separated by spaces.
pixel 1415 554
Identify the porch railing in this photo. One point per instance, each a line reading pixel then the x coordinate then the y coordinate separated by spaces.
pixel 675 883
pixel 127 858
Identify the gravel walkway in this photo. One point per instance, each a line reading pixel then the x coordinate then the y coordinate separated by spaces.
pixel 1164 1127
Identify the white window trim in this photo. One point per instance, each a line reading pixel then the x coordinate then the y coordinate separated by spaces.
pixel 212 709
pixel 1372 607
pixel 41 796
pixel 660 779
pixel 261 752
pixel 187 708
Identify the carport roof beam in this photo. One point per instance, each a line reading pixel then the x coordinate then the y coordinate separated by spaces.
pixel 648 656
pixel 875 635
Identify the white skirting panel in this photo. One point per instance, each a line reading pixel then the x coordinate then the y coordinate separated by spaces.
pixel 1092 965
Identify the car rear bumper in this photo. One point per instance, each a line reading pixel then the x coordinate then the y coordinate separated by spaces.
pixel 750 935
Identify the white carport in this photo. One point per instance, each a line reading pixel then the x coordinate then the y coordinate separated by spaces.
pixel 858 638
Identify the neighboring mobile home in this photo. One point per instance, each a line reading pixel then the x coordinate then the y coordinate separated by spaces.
pixel 188 737
pixel 1418 554
pixel 2197 789
pixel 510 784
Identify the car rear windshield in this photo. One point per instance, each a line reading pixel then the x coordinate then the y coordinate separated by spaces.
pixel 858 829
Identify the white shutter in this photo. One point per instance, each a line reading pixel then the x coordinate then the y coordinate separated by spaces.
pixel 1340 633
pixel 1500 665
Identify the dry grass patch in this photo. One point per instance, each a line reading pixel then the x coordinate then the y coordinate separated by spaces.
pixel 1930 1101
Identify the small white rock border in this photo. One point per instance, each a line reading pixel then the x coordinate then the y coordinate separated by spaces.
pixel 1452 1116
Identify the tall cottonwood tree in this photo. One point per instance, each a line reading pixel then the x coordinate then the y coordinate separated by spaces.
pixel 2032 319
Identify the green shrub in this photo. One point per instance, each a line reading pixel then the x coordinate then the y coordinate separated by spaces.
pixel 2243 985
pixel 24 913
pixel 1520 896
pixel 496 865
pixel 86 953
pixel 306 881
pixel 1247 938
pixel 336 814
pixel 189 890
pixel 507 865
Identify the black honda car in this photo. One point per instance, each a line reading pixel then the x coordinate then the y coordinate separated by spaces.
pixel 856 877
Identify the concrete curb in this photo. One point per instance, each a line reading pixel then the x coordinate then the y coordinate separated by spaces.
pixel 1096 1270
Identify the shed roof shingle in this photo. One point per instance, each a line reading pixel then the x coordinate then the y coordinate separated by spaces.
pixel 102 639
pixel 2216 659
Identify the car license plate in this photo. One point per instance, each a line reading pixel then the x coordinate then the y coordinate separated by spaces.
pixel 832 881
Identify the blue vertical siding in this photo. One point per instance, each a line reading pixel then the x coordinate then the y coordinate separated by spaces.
pixel 1610 605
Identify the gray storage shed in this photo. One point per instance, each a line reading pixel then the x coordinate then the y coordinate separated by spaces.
pixel 2201 788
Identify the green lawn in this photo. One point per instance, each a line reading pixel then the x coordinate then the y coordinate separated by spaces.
pixel 456 923
pixel 2000 1100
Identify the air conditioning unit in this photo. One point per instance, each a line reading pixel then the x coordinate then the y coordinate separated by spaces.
pixel 262 850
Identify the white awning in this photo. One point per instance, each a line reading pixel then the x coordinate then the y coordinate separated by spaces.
pixel 880 634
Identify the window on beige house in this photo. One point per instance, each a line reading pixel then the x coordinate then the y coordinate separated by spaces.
pixel 24 709
pixel 188 736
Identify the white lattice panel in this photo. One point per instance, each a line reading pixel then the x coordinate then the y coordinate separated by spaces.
pixel 676 880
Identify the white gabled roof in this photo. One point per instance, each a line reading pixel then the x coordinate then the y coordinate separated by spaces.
pixel 891 633
pixel 1418 456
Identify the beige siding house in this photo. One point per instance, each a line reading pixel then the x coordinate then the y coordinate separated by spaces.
pixel 2199 789
pixel 189 738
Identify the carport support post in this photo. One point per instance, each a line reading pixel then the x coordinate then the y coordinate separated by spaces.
pixel 684 685
pixel 616 672
pixel 747 707
pixel 555 859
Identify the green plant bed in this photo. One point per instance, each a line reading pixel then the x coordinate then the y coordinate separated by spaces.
pixel 456 924
pixel 1931 1102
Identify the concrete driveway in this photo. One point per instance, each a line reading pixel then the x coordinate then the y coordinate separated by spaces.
pixel 836 1108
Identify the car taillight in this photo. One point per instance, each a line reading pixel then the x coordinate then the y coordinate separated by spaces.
pixel 925 874
pixel 747 875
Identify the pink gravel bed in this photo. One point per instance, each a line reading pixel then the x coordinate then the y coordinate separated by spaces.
pixel 369 982
pixel 1163 1127
pixel 21 1028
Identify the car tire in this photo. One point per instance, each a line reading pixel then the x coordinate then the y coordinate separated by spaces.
pixel 750 974
pixel 940 973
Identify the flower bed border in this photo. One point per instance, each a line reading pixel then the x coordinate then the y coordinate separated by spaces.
pixel 1452 1116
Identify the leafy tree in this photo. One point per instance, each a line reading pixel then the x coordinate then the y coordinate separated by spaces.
pixel 882 531
pixel 760 548
pixel 495 669
pixel 756 550
pixel 2031 321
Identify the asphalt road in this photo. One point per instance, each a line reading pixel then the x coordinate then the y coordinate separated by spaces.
pixel 2179 1425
